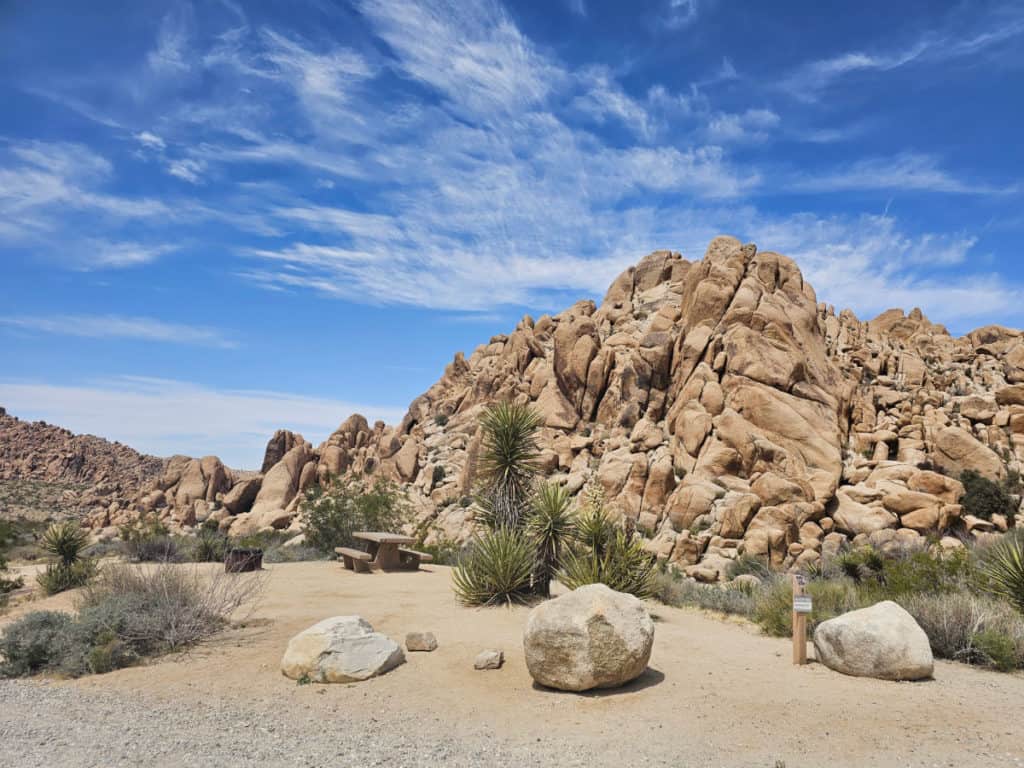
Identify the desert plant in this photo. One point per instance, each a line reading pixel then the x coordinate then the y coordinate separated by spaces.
pixel 333 513
pixel 33 643
pixel 773 609
pixel 66 542
pixel 1002 569
pixel 496 569
pixel 550 527
pixel 164 607
pixel 594 526
pixel 672 589
pixel 507 466
pixel 751 565
pixel 147 540
pixel 8 583
pixel 984 498
pixel 625 566
pixel 441 420
pixel 970 628
pixel 209 547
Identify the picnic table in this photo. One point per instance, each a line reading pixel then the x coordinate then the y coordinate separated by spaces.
pixel 384 552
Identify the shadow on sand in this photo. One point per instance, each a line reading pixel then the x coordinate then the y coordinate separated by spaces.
pixel 648 679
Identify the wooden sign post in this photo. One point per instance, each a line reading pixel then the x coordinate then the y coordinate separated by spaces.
pixel 801 609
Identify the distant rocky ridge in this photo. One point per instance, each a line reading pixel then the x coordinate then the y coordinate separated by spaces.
pixel 717 403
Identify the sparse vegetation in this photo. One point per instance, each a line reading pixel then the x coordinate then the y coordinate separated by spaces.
pixel 508 464
pixel 550 527
pixel 1002 567
pixel 8 583
pixel 126 613
pixel 66 543
pixel 346 505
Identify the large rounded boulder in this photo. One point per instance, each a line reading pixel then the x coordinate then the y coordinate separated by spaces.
pixel 342 649
pixel 882 641
pixel 592 637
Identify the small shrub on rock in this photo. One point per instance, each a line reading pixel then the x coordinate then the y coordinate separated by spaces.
pixel 984 498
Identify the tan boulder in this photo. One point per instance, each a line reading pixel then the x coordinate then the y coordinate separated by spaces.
pixel 242 495
pixel 280 485
pixel 735 511
pixel 853 518
pixel 956 450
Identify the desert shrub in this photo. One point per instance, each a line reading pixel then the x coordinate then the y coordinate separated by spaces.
pixel 1002 569
pixel 34 643
pixel 984 498
pixel 59 577
pixel 164 607
pixel 441 420
pixel 208 547
pixel 444 550
pixel 973 629
pixel 147 540
pixel 437 475
pixel 672 589
pixel 750 564
pixel 550 526
pixel 295 553
pixel 347 505
pixel 496 568
pixel 773 609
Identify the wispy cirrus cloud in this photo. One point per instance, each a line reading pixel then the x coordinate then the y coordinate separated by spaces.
pixel 957 39
pixel 120 327
pixel 905 172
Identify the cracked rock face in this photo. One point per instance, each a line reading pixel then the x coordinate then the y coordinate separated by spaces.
pixel 716 402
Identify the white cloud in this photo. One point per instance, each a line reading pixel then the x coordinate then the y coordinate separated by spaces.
pixel 904 172
pixel 680 13
pixel 750 126
pixel 579 7
pixel 150 140
pixel 961 38
pixel 121 327
pixel 170 55
pixel 164 417
pixel 186 169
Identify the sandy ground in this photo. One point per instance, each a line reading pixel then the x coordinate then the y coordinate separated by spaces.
pixel 716 692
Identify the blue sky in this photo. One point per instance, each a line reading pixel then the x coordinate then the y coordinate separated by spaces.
pixel 220 218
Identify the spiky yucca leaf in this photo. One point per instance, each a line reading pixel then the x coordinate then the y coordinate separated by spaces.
pixel 65 541
pixel 508 462
pixel 625 566
pixel 550 526
pixel 1003 568
pixel 496 570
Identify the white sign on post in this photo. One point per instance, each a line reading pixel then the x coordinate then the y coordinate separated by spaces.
pixel 802 604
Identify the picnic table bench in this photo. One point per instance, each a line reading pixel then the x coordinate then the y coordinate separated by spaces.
pixel 384 552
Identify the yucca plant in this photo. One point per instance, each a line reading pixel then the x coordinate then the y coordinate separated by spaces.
pixel 496 569
pixel 1003 569
pixel 65 541
pixel 508 463
pixel 594 526
pixel 550 526
pixel 625 566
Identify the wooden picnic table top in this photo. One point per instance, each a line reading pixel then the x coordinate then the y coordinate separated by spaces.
pixel 381 537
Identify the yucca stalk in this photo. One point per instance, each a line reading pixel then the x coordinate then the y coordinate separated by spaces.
pixel 496 570
pixel 1003 568
pixel 550 526
pixel 508 463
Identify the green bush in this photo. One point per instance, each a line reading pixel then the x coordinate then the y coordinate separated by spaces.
pixel 496 568
pixel 347 505
pixel 34 643
pixel 750 564
pixel 209 547
pixel 147 540
pixel 441 420
pixel 445 551
pixel 773 609
pixel 984 498
pixel 507 466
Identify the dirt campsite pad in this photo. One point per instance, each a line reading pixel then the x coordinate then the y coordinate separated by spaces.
pixel 716 693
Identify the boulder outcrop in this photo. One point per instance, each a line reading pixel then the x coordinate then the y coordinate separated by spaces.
pixel 342 649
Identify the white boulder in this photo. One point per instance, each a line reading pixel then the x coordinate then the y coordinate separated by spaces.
pixel 882 641
pixel 342 649
pixel 592 637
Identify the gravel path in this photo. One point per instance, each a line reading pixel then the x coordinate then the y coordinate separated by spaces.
pixel 54 724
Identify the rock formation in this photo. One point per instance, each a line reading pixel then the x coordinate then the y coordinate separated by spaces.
pixel 881 641
pixel 718 404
